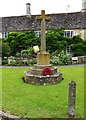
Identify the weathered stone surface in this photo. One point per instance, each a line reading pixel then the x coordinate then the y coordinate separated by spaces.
pixel 43 58
pixel 43 19
pixel 69 20
pixel 37 69
pixel 40 73
pixel 42 80
pixel 72 99
pixel 7 116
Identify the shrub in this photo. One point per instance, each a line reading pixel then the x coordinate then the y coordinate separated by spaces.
pixel 24 62
pixel 55 60
pixel 4 61
pixel 5 50
pixel 28 53
pixel 14 63
pixel 18 54
pixel 65 58
pixel 55 53
pixel 62 59
pixel 33 61
pixel 78 49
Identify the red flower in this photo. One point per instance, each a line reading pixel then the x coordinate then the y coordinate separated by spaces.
pixel 46 71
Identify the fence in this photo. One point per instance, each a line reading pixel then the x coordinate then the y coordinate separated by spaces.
pixel 79 60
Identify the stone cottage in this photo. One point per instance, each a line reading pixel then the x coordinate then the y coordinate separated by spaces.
pixel 72 23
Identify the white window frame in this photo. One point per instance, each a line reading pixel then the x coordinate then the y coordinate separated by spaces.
pixel 4 34
pixel 0 35
pixel 38 33
pixel 71 33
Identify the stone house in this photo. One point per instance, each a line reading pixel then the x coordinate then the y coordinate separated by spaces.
pixel 72 23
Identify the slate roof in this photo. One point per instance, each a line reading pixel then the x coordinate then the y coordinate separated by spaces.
pixel 74 20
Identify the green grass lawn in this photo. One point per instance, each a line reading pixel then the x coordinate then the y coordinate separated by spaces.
pixel 32 101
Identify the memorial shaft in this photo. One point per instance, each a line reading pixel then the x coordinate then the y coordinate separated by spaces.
pixel 43 19
pixel 43 36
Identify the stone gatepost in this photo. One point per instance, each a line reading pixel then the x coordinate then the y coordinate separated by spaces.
pixel 71 99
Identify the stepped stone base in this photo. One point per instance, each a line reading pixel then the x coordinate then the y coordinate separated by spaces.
pixel 43 80
pixel 35 77
pixel 37 69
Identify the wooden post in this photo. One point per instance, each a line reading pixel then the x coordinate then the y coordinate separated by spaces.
pixel 71 99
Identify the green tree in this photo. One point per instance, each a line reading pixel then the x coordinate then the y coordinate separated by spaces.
pixel 78 49
pixel 55 40
pixel 21 40
pixel 5 50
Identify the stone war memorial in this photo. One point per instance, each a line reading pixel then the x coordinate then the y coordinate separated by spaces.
pixel 43 73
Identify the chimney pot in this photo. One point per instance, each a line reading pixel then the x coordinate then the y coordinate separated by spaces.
pixel 28 10
pixel 83 5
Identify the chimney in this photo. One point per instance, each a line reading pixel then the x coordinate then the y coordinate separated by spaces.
pixel 28 10
pixel 83 5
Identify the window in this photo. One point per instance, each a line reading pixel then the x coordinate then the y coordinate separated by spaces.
pixel 69 33
pixel 38 33
pixel 4 34
pixel 0 35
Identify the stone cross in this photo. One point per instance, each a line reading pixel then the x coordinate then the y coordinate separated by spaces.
pixel 43 19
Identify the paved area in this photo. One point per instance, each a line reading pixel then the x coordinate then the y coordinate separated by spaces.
pixel 30 66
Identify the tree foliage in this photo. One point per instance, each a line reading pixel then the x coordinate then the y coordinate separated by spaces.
pixel 21 40
pixel 5 50
pixel 55 41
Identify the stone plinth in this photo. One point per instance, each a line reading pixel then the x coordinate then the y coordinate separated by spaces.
pixel 34 75
pixel 42 80
pixel 37 69
pixel 43 58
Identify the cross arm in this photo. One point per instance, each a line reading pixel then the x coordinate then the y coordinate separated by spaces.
pixel 41 18
pixel 38 18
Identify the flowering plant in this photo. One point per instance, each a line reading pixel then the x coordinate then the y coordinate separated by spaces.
pixel 46 71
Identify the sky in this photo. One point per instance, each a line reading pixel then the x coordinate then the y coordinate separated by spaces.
pixel 18 7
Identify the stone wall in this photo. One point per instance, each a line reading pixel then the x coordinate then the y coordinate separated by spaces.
pixel 79 60
pixel 81 32
pixel 67 21
pixel 0 24
pixel 84 34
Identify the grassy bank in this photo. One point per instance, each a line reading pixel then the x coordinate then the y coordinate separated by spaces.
pixel 32 101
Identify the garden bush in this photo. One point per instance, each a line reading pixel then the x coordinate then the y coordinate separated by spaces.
pixel 27 53
pixel 55 61
pixel 33 61
pixel 14 63
pixel 20 44
pixel 4 61
pixel 61 59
